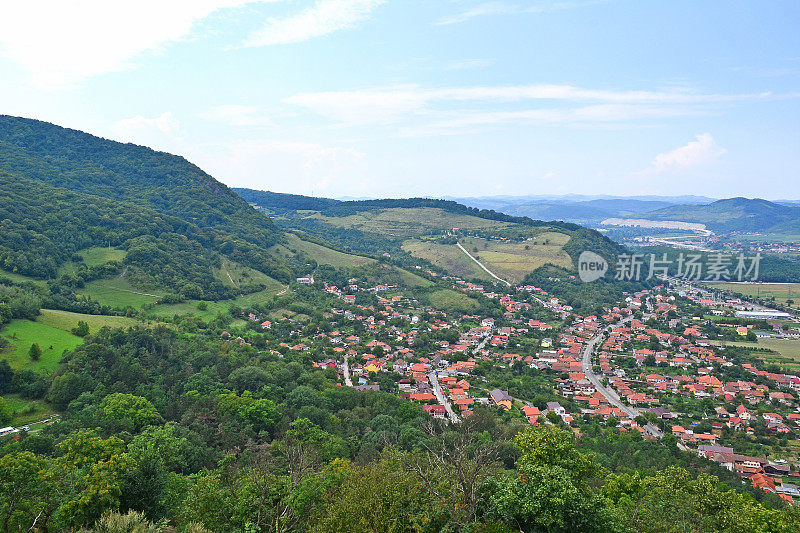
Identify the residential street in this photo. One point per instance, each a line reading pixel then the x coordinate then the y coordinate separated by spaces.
pixel 441 397
pixel 609 394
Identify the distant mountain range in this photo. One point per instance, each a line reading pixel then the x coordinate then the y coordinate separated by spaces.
pixel 736 214
pixel 720 216
pixel 578 208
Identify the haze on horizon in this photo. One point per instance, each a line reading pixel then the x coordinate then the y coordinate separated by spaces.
pixel 461 98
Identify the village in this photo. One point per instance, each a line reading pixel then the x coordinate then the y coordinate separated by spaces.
pixel 648 365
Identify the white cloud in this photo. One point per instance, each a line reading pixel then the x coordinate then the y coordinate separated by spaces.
pixel 453 107
pixel 505 8
pixel 279 165
pixel 369 106
pixel 323 18
pixel 236 115
pixel 161 132
pixel 61 43
pixel 699 152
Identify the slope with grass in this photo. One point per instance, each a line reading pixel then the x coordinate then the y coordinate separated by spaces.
pixel 65 320
pixel 446 256
pixel 21 334
pixel 324 255
pixel 425 229
pixel 513 261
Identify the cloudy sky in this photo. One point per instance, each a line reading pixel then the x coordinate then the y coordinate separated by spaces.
pixel 427 97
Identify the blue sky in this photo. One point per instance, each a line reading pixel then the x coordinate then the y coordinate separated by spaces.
pixel 428 98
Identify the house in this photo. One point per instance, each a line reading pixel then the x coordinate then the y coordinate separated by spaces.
pixel 556 408
pixel 438 411
pixel 501 398
pixel 306 280
pixel 704 450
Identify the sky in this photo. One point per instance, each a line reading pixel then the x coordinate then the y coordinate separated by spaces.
pixel 400 98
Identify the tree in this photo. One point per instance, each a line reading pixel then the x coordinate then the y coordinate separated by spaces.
pixel 6 376
pixel 5 412
pixel 81 330
pixel 134 412
pixel 550 491
pixel 454 466
pixel 89 473
pixel 143 485
pixel 35 352
pixel 21 489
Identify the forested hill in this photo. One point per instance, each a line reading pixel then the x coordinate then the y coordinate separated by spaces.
pixel 160 181
pixel 62 191
pixel 734 214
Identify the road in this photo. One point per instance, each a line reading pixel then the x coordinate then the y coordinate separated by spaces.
pixel 609 393
pixel 480 346
pixel 347 380
pixel 439 393
pixel 498 278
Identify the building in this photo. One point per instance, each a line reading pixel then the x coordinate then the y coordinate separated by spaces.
pixel 501 398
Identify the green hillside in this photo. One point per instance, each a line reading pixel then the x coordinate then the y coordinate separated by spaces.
pixel 734 214
pixel 65 194
pixel 410 230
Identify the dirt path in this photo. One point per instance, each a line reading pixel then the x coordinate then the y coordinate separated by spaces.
pixel 498 278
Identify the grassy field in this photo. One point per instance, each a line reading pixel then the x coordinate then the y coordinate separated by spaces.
pixel 233 274
pixel 452 301
pixel 787 351
pixel 27 411
pixel 782 292
pixel 326 256
pixel 65 321
pixel 19 278
pixel 214 308
pixel 117 292
pixel 94 256
pixel 446 256
pixel 515 260
pixel 22 333
pixel 403 223
pixel 413 280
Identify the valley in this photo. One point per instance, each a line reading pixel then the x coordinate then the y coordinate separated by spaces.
pixel 262 338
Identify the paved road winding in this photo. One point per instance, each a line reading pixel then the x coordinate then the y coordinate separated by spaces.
pixel 609 393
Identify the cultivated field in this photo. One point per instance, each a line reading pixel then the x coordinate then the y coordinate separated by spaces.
pixel 513 261
pixel 786 351
pixel 782 292
pixel 403 223
pixel 446 256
